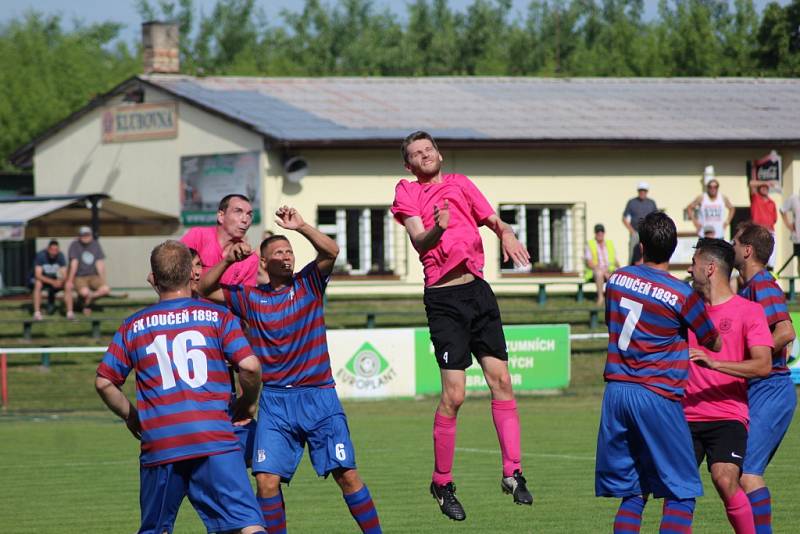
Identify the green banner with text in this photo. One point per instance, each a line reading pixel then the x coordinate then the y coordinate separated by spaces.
pixel 538 358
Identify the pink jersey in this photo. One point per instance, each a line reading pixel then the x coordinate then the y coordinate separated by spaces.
pixel 461 243
pixel 715 396
pixel 204 240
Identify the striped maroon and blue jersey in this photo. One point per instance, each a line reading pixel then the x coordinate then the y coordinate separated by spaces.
pixel 287 329
pixel 180 351
pixel 763 289
pixel 649 313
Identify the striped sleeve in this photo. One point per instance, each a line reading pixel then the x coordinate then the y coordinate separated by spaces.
pixel 694 313
pixel 234 344
pixel 235 299
pixel 116 365
pixel 313 277
pixel 770 296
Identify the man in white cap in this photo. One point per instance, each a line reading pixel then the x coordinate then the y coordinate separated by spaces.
pixel 87 269
pixel 637 209
pixel 711 209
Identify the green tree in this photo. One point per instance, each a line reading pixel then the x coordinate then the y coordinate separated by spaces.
pixel 47 72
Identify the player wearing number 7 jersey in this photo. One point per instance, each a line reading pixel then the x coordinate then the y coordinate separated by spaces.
pixel 644 446
pixel 179 349
pixel 298 404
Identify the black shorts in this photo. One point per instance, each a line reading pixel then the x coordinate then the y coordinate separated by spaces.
pixel 796 249
pixel 719 442
pixel 464 320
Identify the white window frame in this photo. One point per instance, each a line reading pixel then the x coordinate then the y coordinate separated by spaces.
pixel 338 232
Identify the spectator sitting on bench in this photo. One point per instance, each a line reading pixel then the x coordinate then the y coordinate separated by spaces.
pixel 87 269
pixel 50 274
pixel 601 260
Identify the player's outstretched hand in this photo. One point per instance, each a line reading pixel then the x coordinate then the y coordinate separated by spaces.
pixel 514 250
pixel 441 216
pixel 238 251
pixel 701 358
pixel 288 218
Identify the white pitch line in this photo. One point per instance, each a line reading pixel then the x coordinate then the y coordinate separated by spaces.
pixel 3 467
pixel 529 454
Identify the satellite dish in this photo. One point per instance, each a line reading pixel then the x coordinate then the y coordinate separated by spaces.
pixel 295 169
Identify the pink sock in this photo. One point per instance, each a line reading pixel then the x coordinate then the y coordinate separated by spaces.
pixel 740 513
pixel 444 448
pixel 506 421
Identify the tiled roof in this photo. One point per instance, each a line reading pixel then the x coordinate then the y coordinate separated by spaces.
pixel 502 109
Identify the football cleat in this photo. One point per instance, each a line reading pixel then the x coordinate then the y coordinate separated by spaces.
pixel 517 486
pixel 445 495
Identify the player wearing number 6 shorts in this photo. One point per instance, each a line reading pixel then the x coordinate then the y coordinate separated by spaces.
pixel 644 446
pixel 180 348
pixel 298 404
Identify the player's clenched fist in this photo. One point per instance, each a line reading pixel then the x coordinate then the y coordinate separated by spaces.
pixel 234 252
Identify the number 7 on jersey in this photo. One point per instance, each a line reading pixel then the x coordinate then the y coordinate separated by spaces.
pixel 634 312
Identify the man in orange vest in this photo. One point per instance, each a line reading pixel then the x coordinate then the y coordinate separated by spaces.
pixel 601 260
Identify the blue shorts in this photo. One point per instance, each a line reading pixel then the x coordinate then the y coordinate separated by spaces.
pixel 246 436
pixel 217 486
pixel 644 446
pixel 288 418
pixel 772 402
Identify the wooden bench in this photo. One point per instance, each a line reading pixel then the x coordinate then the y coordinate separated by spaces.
pixel 93 322
pixel 542 288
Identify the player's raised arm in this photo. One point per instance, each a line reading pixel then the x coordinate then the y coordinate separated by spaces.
pixel 209 282
pixel 512 248
pixel 327 249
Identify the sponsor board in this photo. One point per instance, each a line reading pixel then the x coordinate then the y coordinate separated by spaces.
pixel 137 122
pixel 372 362
pixel 538 358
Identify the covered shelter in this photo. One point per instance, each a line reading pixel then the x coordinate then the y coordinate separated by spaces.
pixel 29 217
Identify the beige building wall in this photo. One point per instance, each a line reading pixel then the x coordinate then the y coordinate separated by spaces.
pixel 143 173
pixel 146 173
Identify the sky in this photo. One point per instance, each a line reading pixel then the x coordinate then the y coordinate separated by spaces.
pixel 124 11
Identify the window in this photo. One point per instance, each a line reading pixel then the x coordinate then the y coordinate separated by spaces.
pixel 366 237
pixel 553 234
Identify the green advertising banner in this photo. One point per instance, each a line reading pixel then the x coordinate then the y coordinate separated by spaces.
pixel 538 358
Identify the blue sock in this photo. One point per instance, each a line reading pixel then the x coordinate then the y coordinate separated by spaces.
pixel 677 516
pixel 629 515
pixel 363 511
pixel 761 501
pixel 274 513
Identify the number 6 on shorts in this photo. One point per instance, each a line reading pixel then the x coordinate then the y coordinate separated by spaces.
pixel 634 312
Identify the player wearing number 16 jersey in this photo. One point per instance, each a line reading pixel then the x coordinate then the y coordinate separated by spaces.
pixel 179 349
pixel 644 445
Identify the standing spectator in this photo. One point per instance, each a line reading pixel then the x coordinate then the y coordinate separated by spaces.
pixel 50 274
pixel 234 218
pixel 792 206
pixel 87 269
pixel 711 209
pixel 763 212
pixel 441 214
pixel 601 260
pixel 176 348
pixel 637 209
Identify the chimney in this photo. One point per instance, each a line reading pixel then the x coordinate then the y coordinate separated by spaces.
pixel 160 43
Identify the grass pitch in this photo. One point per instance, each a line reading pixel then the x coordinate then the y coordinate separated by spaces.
pixel 66 465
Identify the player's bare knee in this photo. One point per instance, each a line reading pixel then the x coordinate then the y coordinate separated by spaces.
pixel 500 385
pixel 267 484
pixel 452 399
pixel 348 479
